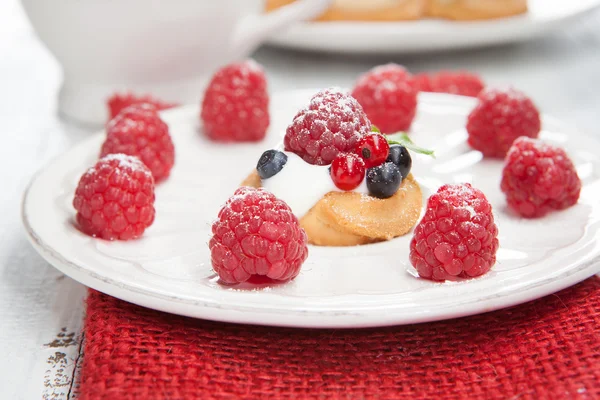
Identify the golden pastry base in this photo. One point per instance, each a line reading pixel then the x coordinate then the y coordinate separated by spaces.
pixel 350 219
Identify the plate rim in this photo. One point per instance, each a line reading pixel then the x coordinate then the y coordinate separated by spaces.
pixel 308 318
pixel 581 270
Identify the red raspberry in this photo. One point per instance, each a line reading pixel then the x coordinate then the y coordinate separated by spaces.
pixel 538 178
pixel 117 102
pixel 373 149
pixel 388 97
pixel 257 234
pixel 500 117
pixel 115 198
pixel 461 83
pixel 422 82
pixel 457 236
pixel 332 123
pixel 347 171
pixel 139 131
pixel 236 104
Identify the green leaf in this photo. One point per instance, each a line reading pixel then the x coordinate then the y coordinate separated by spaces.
pixel 403 139
pixel 375 129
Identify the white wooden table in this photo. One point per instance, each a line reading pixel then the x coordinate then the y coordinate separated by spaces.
pixel 41 309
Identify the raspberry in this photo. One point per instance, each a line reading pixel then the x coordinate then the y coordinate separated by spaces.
pixel 115 198
pixel 257 234
pixel 422 82
pixel 500 118
pixel 538 178
pixel 117 102
pixel 461 83
pixel 388 97
pixel 457 236
pixel 332 123
pixel 236 104
pixel 139 131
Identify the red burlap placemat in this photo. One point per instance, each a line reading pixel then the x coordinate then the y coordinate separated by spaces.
pixel 546 349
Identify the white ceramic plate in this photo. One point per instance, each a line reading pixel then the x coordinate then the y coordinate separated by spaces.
pixel 429 34
pixel 169 268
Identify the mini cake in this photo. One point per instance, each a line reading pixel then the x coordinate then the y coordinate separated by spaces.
pixel 346 184
pixel 401 10
pixel 354 218
pixel 468 10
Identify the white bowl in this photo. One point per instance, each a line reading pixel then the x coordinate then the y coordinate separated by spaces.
pixel 165 48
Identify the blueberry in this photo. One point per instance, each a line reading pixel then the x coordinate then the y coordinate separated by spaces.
pixel 384 180
pixel 400 156
pixel 270 163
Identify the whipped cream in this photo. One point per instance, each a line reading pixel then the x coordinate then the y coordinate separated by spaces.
pixel 301 185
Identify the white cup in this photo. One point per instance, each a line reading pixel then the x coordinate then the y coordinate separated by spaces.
pixel 167 48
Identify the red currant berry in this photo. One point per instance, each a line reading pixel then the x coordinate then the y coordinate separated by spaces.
pixel 347 171
pixel 373 148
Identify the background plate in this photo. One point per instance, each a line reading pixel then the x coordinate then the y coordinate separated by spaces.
pixel 428 34
pixel 169 268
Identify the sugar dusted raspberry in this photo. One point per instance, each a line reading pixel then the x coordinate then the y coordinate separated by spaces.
pixel 139 131
pixel 257 234
pixel 236 104
pixel 457 236
pixel 388 96
pixel 332 123
pixel 500 117
pixel 538 178
pixel 115 198
pixel 119 101
pixel 461 82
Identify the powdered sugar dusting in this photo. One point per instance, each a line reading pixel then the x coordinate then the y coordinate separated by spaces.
pixel 127 162
pixel 333 122
pixel 334 98
pixel 243 192
pixel 538 144
pixel 389 67
pixel 470 209
pixel 249 66
pixel 551 153
pixel 513 100
pixel 510 93
pixel 246 69
pixel 386 86
pixel 463 197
